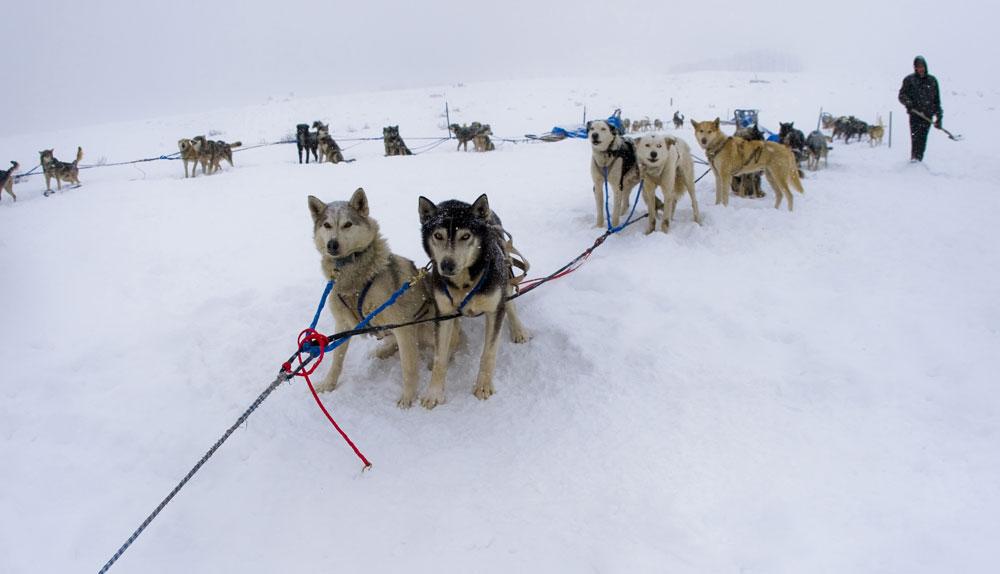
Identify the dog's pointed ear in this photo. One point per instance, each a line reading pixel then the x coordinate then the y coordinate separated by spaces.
pixel 694 123
pixel 359 201
pixel 481 207
pixel 589 124
pixel 316 208
pixel 716 122
pixel 669 141
pixel 427 209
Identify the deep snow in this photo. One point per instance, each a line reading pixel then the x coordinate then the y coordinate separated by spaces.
pixel 768 392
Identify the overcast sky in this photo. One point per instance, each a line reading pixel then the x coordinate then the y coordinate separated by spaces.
pixel 81 62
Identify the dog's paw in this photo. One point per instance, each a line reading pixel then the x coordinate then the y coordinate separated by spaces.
pixel 483 391
pixel 519 336
pixel 649 229
pixel 405 401
pixel 432 398
pixel 326 387
pixel 386 349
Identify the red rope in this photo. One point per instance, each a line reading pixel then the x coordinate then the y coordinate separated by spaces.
pixel 312 336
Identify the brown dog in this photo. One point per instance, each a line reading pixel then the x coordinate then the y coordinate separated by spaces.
pixel 731 156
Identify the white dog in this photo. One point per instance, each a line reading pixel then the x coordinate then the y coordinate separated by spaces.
pixel 665 162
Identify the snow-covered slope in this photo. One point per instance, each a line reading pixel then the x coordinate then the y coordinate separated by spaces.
pixel 767 392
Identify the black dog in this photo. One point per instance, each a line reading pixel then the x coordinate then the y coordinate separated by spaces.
pixel 748 185
pixel 306 140
pixel 794 139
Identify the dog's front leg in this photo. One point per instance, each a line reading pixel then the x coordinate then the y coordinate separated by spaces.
pixel 614 181
pixel 649 195
pixel 598 200
pixel 409 356
pixel 723 183
pixel 518 334
pixel 484 381
pixel 694 201
pixel 434 395
pixel 331 380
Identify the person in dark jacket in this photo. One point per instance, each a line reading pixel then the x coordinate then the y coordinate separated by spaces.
pixel 920 93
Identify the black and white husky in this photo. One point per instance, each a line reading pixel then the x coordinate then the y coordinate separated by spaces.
pixel 612 162
pixel 471 274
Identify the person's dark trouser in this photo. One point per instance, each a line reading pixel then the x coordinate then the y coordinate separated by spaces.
pixel 918 136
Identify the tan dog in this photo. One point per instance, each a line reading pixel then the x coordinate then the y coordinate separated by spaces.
pixel 60 170
pixel 876 133
pixel 189 154
pixel 612 162
pixel 665 162
pixel 731 156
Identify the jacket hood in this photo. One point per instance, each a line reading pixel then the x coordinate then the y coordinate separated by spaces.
pixel 921 60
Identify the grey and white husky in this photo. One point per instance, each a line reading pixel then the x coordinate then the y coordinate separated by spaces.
pixel 366 273
pixel 471 274
pixel 59 170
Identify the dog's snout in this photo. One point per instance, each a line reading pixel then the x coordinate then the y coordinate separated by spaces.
pixel 333 246
pixel 652 154
pixel 447 266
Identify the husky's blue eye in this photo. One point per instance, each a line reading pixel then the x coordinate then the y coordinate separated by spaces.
pixel 439 236
pixel 327 225
pixel 346 225
pixel 465 237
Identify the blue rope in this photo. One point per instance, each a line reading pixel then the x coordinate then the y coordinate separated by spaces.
pixel 313 350
pixel 607 210
pixel 322 303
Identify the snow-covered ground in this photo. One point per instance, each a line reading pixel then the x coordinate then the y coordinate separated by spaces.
pixel 769 392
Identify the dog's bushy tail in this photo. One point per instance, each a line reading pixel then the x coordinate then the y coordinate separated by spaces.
pixel 79 155
pixel 13 166
pixel 236 144
pixel 796 182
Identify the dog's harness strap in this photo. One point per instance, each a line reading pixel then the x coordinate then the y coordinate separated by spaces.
pixel 361 297
pixel 322 302
pixel 468 297
pixel 712 153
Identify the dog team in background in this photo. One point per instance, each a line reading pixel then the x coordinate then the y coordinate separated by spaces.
pixel 737 161
pixel 645 125
pixel 319 143
pixel 210 154
pixel 477 133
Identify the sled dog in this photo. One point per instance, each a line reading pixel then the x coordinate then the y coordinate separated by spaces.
pixel 730 156
pixel 306 140
pixel 59 170
pixel 665 162
pixel 394 144
pixel 190 154
pixel 471 273
pixel 365 274
pixel 7 180
pixel 816 149
pixel 612 160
